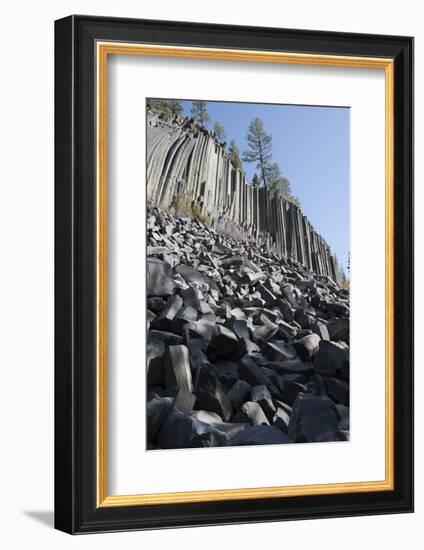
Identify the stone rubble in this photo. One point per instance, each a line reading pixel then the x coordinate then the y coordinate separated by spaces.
pixel 244 346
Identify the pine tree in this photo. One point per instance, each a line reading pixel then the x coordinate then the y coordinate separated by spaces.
pixel 234 155
pixel 278 184
pixel 255 180
pixel 259 151
pixel 199 111
pixel 165 108
pixel 219 131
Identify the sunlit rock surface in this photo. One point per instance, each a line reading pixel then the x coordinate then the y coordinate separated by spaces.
pixel 186 160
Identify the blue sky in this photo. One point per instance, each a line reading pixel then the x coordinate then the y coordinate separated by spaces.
pixel 311 145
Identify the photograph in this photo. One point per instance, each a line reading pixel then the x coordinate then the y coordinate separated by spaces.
pixel 247 273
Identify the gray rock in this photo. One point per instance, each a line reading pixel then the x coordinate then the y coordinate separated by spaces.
pixel 212 395
pixel 178 430
pixel 307 346
pixel 343 413
pixel 225 343
pixel 239 394
pixel 187 314
pixel 251 412
pixel 157 409
pixel 281 420
pixel 159 278
pixel 278 350
pixel 184 400
pixel 164 319
pixel 177 368
pixel 338 329
pixel 322 330
pixel 154 361
pixel 313 419
pixel 338 390
pixel 259 435
pixel 261 395
pixel 291 391
pixel 330 358
pixel 250 372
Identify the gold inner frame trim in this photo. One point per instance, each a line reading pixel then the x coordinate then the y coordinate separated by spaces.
pixel 103 50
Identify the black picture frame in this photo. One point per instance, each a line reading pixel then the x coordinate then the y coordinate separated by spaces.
pixel 76 509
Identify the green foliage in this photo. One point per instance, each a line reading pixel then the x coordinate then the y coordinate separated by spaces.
pixel 196 210
pixel 341 279
pixel 294 200
pixel 165 108
pixel 277 184
pixel 259 143
pixel 185 207
pixel 234 155
pixel 255 180
pixel 199 111
pixel 219 130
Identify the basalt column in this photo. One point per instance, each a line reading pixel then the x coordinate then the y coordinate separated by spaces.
pixel 185 160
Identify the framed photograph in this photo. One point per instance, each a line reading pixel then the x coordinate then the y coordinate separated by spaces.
pixel 233 265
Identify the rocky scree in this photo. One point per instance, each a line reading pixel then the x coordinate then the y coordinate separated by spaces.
pixel 244 346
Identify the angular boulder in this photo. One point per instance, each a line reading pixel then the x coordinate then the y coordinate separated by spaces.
pixel 159 278
pixel 177 368
pixel 330 357
pixel 313 419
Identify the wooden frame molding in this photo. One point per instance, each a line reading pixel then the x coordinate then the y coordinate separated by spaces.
pixel 103 50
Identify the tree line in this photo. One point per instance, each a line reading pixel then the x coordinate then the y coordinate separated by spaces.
pixel 259 144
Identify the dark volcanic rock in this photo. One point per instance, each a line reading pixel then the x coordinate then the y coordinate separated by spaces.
pixel 250 372
pixel 261 395
pixel 154 360
pixel 259 435
pixel 159 278
pixel 187 314
pixel 330 358
pixel 238 334
pixel 338 329
pixel 163 320
pixel 313 419
pixel 212 395
pixel 157 409
pixel 338 390
pixel 307 346
pixel 178 430
pixel 177 368
pixel 291 391
pixel 281 420
pixel 251 412
pixel 278 350
pixel 184 400
pixel 239 393
pixel 225 343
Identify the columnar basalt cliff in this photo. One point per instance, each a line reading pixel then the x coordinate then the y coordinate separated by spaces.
pixel 186 160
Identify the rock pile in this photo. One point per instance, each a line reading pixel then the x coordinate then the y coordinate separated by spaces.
pixel 244 347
